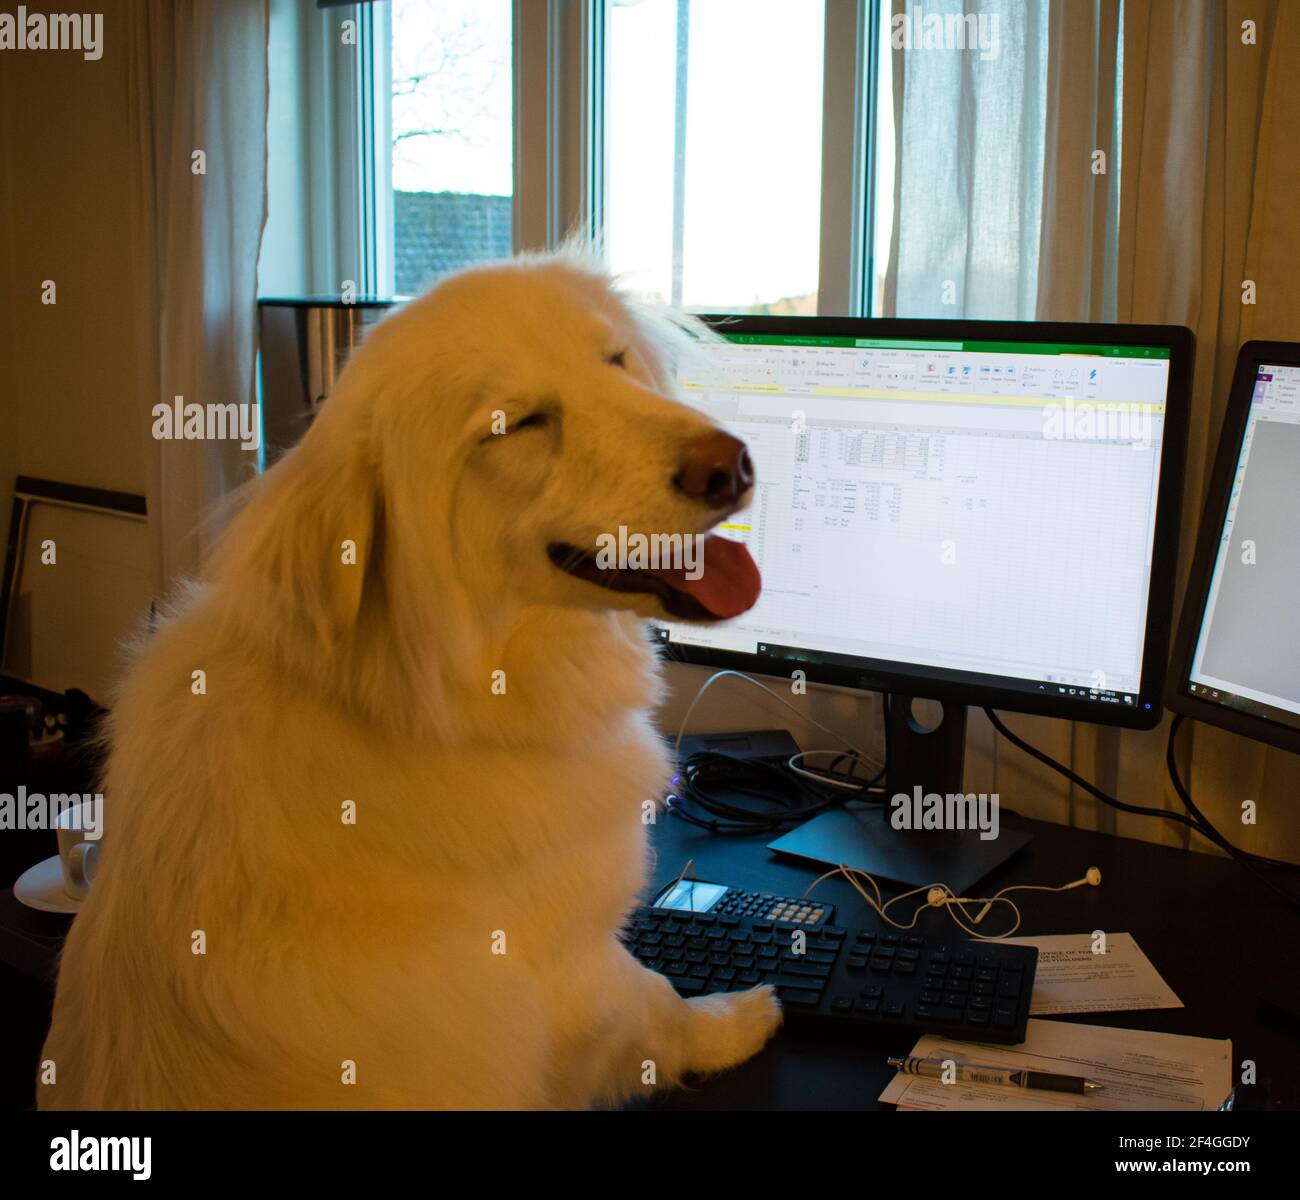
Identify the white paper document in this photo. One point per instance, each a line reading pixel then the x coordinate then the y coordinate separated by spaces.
pixel 1159 1072
pixel 1072 979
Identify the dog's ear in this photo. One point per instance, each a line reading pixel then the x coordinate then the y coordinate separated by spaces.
pixel 308 546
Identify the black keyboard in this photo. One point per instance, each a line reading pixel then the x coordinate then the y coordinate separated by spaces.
pixel 972 990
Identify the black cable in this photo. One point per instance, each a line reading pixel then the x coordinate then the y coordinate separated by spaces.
pixel 1196 821
pixel 1243 857
pixel 1061 769
pixel 793 798
pixel 1185 795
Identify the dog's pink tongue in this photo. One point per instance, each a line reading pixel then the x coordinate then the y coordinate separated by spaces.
pixel 729 583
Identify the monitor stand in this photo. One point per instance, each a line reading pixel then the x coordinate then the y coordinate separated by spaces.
pixel 924 760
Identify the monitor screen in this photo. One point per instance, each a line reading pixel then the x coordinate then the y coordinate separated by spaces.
pixel 1247 650
pixel 959 509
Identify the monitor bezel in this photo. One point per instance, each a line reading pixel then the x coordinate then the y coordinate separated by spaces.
pixel 1249 358
pixel 943 685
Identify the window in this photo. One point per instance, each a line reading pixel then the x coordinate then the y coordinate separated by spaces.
pixel 713 145
pixel 451 136
pixel 725 149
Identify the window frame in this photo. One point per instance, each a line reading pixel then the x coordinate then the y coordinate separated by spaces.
pixel 559 182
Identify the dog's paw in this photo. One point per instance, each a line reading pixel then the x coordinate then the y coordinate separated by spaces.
pixel 727 1029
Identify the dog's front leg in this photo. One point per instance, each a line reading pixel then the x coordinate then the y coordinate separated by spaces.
pixel 653 1038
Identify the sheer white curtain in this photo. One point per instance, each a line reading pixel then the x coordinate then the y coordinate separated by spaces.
pixel 198 80
pixel 969 162
pixel 996 192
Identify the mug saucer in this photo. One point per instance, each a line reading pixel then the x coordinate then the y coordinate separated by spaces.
pixel 41 887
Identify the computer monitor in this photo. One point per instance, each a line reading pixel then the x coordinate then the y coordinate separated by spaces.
pixel 1236 660
pixel 975 512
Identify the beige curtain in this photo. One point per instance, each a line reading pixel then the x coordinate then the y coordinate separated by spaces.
pixel 1200 197
pixel 198 83
pixel 1194 103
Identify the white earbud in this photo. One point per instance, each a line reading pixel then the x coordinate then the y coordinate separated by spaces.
pixel 1092 876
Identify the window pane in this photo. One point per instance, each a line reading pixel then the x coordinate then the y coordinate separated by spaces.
pixel 452 136
pixel 713 151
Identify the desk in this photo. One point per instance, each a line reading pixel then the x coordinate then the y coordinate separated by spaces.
pixel 1218 939
pixel 1221 943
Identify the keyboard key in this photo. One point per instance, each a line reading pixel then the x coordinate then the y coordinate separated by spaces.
pixel 938 1014
pixel 808 983
pixel 809 970
pixel 796 998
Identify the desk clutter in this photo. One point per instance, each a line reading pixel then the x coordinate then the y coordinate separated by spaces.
pixel 972 1000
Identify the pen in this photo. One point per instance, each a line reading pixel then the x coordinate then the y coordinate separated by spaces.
pixel 934 1068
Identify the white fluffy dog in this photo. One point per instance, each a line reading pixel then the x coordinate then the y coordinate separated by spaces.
pixel 381 856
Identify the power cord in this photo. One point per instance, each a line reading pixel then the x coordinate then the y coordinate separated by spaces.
pixel 791 792
pixel 1196 821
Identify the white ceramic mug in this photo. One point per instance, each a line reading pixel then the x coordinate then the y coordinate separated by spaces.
pixel 77 853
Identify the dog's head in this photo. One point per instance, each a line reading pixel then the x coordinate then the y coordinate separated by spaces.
pixel 506 449
pixel 528 424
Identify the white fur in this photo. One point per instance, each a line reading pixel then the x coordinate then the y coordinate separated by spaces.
pixel 372 943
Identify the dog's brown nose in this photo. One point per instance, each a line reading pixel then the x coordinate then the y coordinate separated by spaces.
pixel 716 470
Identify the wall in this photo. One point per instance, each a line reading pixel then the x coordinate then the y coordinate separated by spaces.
pixel 68 404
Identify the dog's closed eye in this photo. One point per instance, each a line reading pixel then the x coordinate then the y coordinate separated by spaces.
pixel 617 359
pixel 536 420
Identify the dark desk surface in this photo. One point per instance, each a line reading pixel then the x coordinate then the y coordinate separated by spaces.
pixel 1220 941
pixel 1224 945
